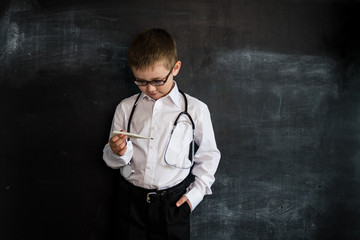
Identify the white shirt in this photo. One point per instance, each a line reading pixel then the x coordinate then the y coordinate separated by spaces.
pixel 156 119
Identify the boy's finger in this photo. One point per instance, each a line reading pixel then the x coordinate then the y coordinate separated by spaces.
pixel 121 144
pixel 117 140
pixel 122 151
pixel 181 201
pixel 114 139
pixel 122 137
pixel 117 136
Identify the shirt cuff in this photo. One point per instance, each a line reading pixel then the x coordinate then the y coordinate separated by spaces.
pixel 115 161
pixel 128 154
pixel 195 197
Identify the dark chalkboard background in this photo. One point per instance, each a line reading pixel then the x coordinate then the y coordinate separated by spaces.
pixel 281 79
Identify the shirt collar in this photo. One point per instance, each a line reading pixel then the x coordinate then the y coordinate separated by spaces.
pixel 174 95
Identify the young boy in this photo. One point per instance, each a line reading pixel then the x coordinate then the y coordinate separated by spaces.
pixel 156 198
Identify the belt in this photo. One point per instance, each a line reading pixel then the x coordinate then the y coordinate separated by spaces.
pixel 152 195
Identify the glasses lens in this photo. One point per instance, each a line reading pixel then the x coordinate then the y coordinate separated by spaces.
pixel 154 82
pixel 140 83
pixel 157 82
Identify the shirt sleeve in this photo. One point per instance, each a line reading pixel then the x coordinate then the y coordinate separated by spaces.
pixel 206 159
pixel 111 159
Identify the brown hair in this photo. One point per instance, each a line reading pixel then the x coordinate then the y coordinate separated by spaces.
pixel 151 46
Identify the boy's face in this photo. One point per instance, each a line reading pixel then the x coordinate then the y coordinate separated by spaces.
pixel 157 72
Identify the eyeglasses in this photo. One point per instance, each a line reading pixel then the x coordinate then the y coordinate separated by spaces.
pixel 153 82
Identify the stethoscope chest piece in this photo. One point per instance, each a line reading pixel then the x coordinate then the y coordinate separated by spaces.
pixel 126 171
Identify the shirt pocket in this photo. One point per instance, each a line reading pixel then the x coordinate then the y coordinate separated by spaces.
pixel 178 145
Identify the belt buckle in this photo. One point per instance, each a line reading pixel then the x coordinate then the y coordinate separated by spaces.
pixel 148 199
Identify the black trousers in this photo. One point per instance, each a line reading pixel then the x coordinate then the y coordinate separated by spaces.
pixel 144 214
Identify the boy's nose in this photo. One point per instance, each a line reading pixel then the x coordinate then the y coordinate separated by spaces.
pixel 150 87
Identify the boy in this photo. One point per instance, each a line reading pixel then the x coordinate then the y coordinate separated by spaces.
pixel 156 198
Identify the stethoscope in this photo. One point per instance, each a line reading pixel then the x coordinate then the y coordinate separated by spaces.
pixel 127 171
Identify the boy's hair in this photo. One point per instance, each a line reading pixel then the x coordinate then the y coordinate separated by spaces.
pixel 151 46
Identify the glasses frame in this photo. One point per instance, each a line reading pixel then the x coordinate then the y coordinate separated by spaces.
pixel 156 83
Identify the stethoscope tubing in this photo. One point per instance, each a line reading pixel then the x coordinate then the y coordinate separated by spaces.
pixel 185 112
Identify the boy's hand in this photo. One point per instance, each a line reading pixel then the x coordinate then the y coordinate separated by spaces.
pixel 118 144
pixel 182 200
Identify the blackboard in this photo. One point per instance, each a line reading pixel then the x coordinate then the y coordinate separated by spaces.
pixel 281 79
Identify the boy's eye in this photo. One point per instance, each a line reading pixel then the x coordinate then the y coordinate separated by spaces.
pixel 156 81
pixel 153 82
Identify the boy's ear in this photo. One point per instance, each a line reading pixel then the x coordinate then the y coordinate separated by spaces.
pixel 176 68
